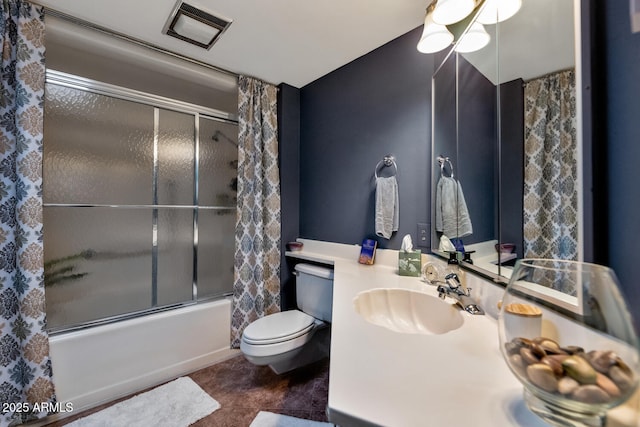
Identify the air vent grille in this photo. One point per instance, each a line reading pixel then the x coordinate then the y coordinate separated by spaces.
pixel 195 26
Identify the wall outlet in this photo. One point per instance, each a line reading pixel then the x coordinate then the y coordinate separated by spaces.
pixel 635 15
pixel 424 235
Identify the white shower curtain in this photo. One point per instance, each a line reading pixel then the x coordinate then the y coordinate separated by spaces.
pixel 256 288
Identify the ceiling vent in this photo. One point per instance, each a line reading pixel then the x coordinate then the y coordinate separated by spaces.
pixel 195 26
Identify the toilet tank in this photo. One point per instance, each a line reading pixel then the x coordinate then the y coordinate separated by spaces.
pixel 314 290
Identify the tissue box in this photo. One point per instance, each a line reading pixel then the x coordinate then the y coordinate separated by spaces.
pixel 409 263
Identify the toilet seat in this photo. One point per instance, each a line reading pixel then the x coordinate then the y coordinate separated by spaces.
pixel 278 327
pixel 277 335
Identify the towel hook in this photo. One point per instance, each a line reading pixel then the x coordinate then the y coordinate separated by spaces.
pixel 387 161
pixel 442 160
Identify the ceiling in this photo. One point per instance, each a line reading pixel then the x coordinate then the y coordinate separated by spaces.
pixel 290 41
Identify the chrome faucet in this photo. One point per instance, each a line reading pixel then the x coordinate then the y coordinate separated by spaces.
pixel 455 289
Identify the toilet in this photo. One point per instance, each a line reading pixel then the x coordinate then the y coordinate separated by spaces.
pixel 294 338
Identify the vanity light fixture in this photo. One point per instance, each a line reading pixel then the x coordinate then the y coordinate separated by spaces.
pixel 445 23
pixel 498 10
pixel 435 37
pixel 451 11
pixel 195 26
pixel 474 39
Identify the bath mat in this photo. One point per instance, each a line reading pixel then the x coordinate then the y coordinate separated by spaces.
pixel 176 404
pixel 269 419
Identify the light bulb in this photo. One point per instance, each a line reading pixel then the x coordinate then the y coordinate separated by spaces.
pixel 474 39
pixel 435 37
pixel 452 11
pixel 495 11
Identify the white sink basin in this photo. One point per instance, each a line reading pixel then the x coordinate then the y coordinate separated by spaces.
pixel 406 311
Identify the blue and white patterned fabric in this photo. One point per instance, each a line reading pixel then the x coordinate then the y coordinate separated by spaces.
pixel 26 385
pixel 256 288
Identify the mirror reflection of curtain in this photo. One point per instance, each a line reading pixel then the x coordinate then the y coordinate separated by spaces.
pixel 550 191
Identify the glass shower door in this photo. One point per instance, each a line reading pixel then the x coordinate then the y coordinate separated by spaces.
pixel 134 194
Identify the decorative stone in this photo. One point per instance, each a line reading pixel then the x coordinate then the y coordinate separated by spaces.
pixel 516 344
pixel 528 356
pixel 590 394
pixel 594 377
pixel 594 354
pixel 512 348
pixel 522 342
pixel 572 349
pixel 542 376
pixel 549 345
pixel 553 350
pixel 515 360
pixel 567 385
pixel 605 383
pixel 559 357
pixel 537 350
pixel 602 361
pixel 553 364
pixel 542 340
pixel 621 378
pixel 625 368
pixel 579 369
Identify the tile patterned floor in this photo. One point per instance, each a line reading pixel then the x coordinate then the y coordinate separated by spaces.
pixel 243 390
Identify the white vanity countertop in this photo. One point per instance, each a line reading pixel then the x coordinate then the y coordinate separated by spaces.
pixel 383 378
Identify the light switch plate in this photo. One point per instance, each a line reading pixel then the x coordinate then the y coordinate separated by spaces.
pixel 424 240
pixel 635 15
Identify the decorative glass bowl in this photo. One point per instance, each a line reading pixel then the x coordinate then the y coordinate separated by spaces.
pixel 566 333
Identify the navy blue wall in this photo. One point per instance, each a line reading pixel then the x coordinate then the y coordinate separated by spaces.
pixel 477 150
pixel 512 163
pixel 289 157
pixel 350 119
pixel 622 103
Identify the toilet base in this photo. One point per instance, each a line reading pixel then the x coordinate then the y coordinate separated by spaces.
pixel 318 348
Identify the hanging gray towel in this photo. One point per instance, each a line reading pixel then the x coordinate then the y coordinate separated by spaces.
pixel 387 206
pixel 452 216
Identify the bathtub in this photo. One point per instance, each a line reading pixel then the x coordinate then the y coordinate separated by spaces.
pixel 97 365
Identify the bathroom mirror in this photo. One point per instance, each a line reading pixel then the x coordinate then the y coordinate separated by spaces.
pixel 465 190
pixel 487 107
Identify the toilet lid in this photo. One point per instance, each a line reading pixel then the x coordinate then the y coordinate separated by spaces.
pixel 278 327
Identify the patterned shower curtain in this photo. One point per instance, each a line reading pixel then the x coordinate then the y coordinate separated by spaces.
pixel 25 367
pixel 256 288
pixel 550 187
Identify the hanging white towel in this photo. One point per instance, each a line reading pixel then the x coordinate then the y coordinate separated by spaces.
pixel 452 216
pixel 387 206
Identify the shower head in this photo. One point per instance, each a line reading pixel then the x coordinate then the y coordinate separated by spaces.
pixel 217 134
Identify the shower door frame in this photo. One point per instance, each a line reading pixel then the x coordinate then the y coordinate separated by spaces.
pixel 157 102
